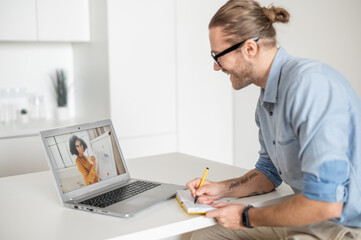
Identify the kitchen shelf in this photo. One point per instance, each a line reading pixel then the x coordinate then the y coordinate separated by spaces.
pixel 32 128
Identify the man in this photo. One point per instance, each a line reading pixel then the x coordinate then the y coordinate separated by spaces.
pixel 309 120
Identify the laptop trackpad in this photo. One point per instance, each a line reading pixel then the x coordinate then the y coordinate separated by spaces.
pixel 140 201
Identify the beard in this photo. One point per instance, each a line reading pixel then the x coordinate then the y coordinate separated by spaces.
pixel 243 73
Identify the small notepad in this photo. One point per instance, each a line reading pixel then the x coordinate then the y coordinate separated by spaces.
pixel 186 201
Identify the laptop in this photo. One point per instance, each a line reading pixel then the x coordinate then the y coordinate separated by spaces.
pixel 91 174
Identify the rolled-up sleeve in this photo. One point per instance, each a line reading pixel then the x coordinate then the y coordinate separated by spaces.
pixel 331 184
pixel 267 168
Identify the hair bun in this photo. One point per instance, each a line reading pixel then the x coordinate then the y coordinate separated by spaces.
pixel 276 14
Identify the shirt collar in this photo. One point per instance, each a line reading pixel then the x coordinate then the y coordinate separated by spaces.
pixel 270 93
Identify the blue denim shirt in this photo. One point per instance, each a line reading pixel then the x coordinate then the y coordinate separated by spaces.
pixel 309 120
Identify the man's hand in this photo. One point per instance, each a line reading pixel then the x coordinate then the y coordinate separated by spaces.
pixel 208 193
pixel 228 215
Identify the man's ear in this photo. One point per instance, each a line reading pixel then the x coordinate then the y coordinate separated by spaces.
pixel 250 48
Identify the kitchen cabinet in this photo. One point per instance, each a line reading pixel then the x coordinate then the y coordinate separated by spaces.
pixel 22 155
pixel 18 20
pixel 44 20
pixel 63 20
pixel 21 147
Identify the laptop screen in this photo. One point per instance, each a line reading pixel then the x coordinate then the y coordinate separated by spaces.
pixel 85 157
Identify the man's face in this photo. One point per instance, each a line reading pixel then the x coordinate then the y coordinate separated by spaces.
pixel 235 64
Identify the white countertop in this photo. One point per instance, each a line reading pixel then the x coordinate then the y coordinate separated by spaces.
pixel 30 208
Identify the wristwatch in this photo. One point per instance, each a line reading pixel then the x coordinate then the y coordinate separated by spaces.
pixel 245 220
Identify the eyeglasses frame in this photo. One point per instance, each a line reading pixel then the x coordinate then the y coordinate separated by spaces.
pixel 230 49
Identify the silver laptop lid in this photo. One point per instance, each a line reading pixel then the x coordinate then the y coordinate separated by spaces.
pixel 84 158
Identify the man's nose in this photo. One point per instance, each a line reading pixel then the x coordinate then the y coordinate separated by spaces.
pixel 216 67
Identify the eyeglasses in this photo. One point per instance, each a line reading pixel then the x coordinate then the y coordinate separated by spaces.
pixel 230 49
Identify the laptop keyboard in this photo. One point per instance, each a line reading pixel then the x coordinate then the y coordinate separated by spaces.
pixel 119 194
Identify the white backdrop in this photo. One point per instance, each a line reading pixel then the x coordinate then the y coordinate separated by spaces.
pixel 165 95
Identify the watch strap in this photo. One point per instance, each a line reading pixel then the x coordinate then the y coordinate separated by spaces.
pixel 245 220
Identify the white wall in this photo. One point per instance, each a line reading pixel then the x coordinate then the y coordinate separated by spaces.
pixel 142 75
pixel 91 68
pixel 205 126
pixel 164 94
pixel 327 30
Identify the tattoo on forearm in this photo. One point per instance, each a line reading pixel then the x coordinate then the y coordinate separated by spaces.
pixel 253 175
pixel 237 183
pixel 243 180
pixel 255 194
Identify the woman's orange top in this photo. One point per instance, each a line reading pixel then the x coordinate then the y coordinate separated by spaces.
pixel 85 168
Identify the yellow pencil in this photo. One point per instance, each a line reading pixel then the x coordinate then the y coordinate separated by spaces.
pixel 201 184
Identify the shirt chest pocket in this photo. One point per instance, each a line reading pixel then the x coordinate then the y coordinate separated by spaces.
pixel 285 142
pixel 287 150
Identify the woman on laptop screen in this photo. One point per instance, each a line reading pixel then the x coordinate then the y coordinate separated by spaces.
pixel 87 166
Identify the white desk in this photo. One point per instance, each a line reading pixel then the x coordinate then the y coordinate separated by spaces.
pixel 30 208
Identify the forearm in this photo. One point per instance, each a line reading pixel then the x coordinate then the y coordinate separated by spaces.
pixel 252 183
pixel 296 211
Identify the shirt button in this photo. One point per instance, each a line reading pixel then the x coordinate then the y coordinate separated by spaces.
pixel 273 142
pixel 270 113
pixel 279 172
